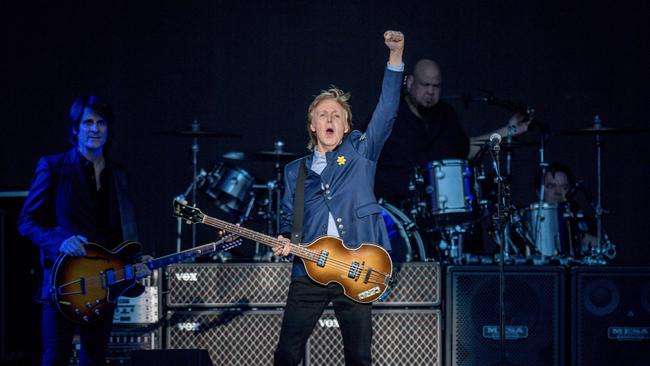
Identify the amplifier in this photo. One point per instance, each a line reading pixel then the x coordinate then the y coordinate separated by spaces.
pixel 611 316
pixel 267 284
pixel 228 284
pixel 534 310
pixel 123 340
pixel 413 284
pixel 138 310
pixel 231 337
pixel 399 337
pixel 144 309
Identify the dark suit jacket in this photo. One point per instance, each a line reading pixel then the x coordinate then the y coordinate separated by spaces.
pixel 59 206
pixel 345 186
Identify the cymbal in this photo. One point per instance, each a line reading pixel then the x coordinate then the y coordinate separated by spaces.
pixel 190 132
pixel 507 145
pixel 271 155
pixel 234 155
pixel 600 130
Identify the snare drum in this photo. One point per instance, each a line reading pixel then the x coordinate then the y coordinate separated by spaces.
pixel 448 191
pixel 550 231
pixel 230 187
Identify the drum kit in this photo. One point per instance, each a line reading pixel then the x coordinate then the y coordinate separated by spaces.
pixel 451 201
pixel 237 195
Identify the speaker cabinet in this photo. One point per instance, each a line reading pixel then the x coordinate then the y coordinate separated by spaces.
pixel 611 323
pixel 534 310
pixel 231 337
pixel 399 337
pixel 228 284
pixel 413 284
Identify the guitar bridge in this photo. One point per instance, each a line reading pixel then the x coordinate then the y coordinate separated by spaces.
pixel 387 278
pixel 81 291
pixel 367 277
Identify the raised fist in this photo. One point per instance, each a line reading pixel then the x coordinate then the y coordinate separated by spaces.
pixel 394 40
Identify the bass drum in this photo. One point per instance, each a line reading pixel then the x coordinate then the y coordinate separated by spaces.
pixel 403 234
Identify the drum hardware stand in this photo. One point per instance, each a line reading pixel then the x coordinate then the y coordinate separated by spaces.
pixel 196 127
pixel 272 206
pixel 418 206
pixel 455 235
pixel 262 254
pixel 540 203
pixel 278 184
pixel 598 252
pixel 516 222
pixel 195 152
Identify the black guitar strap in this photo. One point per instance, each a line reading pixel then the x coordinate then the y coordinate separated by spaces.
pixel 299 205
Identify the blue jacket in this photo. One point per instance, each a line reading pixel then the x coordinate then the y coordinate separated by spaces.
pixel 58 207
pixel 345 186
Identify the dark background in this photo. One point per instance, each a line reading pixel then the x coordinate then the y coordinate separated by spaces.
pixel 253 67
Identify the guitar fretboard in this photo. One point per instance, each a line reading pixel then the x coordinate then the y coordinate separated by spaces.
pixel 222 244
pixel 182 256
pixel 270 241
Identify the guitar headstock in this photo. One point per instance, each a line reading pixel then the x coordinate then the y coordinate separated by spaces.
pixel 192 214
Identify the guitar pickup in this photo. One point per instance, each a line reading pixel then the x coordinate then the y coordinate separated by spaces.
pixel 322 258
pixel 109 278
pixel 354 270
pixel 129 272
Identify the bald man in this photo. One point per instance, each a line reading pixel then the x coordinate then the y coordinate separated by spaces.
pixel 426 129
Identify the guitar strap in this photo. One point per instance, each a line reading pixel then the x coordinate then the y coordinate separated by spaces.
pixel 299 205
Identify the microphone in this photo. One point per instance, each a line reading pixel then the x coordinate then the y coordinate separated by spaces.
pixel 495 140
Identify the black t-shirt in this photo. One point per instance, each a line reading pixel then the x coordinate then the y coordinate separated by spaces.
pixel 414 142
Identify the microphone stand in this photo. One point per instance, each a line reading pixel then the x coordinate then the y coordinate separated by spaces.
pixel 500 238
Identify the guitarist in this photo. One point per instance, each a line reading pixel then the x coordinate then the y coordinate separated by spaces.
pixel 338 201
pixel 76 197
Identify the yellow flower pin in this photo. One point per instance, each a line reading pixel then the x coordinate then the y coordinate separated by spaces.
pixel 340 160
